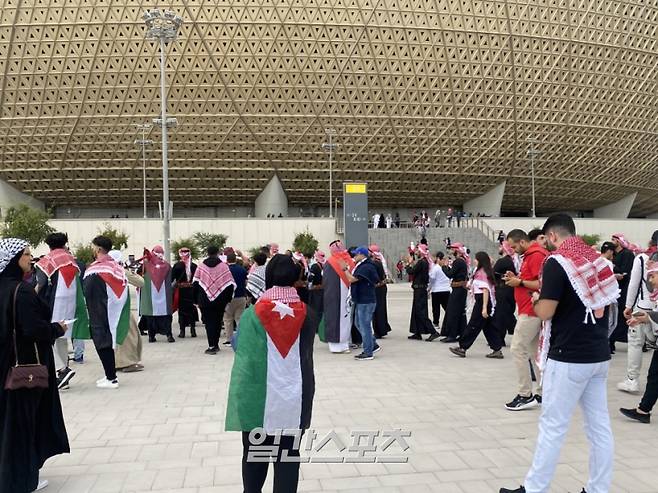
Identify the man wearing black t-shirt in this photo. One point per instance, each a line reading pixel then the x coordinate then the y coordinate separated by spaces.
pixel 576 369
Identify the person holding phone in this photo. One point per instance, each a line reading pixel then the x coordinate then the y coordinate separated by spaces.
pixel 642 412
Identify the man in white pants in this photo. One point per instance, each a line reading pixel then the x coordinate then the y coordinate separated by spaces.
pixel 638 299
pixel 577 287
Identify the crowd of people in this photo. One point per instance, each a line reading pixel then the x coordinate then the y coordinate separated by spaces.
pixel 564 304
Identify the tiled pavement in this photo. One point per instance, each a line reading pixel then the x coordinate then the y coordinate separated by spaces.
pixel 163 429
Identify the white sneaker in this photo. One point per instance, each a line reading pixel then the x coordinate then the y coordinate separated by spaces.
pixel 629 385
pixel 43 484
pixel 101 380
pixel 106 384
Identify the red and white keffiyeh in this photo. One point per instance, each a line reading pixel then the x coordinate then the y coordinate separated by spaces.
pixel 621 238
pixel 424 252
pixel 479 282
pixel 282 294
pixel 186 257
pixel 214 280
pixel 509 251
pixel 376 252
pixel 55 260
pixel 461 249
pixel 106 266
pixel 591 278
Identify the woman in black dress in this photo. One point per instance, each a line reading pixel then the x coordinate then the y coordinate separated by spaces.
pixel 182 274
pixel 31 423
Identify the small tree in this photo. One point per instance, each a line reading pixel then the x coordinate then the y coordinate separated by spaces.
pixel 186 242
pixel 119 238
pixel 305 243
pixel 29 224
pixel 84 253
pixel 254 250
pixel 204 240
pixel 591 240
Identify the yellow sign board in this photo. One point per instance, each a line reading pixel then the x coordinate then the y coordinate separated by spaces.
pixel 355 188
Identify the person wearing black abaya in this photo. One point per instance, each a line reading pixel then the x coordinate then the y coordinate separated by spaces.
pixel 503 319
pixel 316 289
pixel 454 322
pixel 420 322
pixel 380 324
pixel 31 423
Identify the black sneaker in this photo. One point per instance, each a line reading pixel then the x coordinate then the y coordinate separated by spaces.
pixel 449 340
pixel 520 403
pixel 363 357
pixel 354 346
pixel 377 348
pixel 171 339
pixel 520 489
pixel 432 337
pixel 63 377
pixel 151 339
pixel 80 360
pixel 538 398
pixel 212 350
pixel 415 337
pixel 633 414
pixel 457 351
pixel 226 343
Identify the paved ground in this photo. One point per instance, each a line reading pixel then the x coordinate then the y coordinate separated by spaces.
pixel 163 429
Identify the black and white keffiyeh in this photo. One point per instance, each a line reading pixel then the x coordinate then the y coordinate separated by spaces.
pixel 9 248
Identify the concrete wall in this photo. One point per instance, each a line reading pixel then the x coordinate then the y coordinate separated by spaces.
pixel 242 233
pixel 10 196
pixel 489 203
pixel 636 230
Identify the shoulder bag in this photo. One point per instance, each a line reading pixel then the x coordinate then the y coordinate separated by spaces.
pixel 34 376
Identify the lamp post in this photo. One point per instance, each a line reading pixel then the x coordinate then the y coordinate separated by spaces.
pixel 533 153
pixel 330 147
pixel 163 26
pixel 143 142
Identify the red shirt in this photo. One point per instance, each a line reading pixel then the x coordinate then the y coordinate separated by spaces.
pixel 533 261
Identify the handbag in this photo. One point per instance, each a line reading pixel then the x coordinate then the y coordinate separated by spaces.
pixel 34 376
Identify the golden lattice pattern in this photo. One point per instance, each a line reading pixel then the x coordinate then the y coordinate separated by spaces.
pixel 432 100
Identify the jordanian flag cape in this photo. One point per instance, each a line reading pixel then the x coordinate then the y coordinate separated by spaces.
pixel 272 382
pixel 336 324
pixel 108 303
pixel 64 290
pixel 156 297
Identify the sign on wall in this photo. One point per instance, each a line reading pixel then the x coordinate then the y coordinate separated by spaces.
pixel 355 210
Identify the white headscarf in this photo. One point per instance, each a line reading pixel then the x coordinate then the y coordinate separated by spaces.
pixel 116 256
pixel 9 248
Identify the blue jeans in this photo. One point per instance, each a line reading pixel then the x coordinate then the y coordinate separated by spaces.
pixel 363 313
pixel 78 348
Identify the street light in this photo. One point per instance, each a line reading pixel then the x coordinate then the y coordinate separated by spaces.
pixel 330 147
pixel 143 142
pixel 163 26
pixel 533 153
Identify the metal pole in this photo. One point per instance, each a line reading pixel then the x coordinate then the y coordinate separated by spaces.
pixel 144 168
pixel 532 172
pixel 331 155
pixel 165 164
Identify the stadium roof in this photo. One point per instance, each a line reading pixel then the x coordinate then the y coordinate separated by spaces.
pixel 432 101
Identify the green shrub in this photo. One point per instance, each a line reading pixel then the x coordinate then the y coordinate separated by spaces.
pixel 186 242
pixel 204 240
pixel 305 243
pixel 31 225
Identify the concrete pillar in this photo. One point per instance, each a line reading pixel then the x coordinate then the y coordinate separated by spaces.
pixel 617 210
pixel 10 196
pixel 488 203
pixel 272 200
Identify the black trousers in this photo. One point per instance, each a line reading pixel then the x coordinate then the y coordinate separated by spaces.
pixel 454 322
pixel 286 474
pixel 212 316
pixel 439 300
pixel 651 392
pixel 420 322
pixel 106 355
pixel 477 324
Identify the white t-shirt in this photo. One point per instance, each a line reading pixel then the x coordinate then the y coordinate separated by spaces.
pixel 439 282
